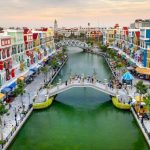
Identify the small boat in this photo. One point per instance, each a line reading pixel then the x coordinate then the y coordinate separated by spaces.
pixel 44 104
pixel 120 105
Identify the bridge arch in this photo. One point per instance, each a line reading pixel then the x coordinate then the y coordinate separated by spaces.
pixel 72 43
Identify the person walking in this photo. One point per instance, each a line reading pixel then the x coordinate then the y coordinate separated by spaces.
pixel 66 83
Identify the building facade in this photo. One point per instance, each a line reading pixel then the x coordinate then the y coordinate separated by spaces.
pixel 21 50
pixel 135 43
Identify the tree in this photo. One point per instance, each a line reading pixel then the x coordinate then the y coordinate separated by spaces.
pixel 54 63
pixel 147 102
pixel 141 88
pixel 103 48
pixel 64 50
pixel 20 90
pixel 45 70
pixel 3 110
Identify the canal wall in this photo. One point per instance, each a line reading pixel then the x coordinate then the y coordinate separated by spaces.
pixel 140 125
pixel 17 129
pixel 5 147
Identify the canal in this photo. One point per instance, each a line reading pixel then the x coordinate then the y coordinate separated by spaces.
pixel 81 118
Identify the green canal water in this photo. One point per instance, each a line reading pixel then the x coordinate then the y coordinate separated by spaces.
pixel 81 118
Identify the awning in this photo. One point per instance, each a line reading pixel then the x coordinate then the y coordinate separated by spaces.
pixel 127 76
pixel 123 56
pixel 34 69
pixel 145 71
pixel 2 95
pixel 130 68
pixel 39 66
pixel 6 90
pixel 51 55
pixel 13 85
pixel 30 73
pixel 21 78
pixel 41 63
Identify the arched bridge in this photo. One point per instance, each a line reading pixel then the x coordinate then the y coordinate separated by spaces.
pixel 72 43
pixel 98 86
pixel 81 81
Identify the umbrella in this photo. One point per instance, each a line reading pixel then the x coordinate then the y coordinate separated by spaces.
pixel 127 76
pixel 142 103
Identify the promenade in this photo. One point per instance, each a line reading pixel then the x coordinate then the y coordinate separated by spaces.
pixel 13 119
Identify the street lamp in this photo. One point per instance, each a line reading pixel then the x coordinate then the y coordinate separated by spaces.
pixel 29 99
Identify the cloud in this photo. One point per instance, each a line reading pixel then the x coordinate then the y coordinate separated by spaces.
pixel 69 12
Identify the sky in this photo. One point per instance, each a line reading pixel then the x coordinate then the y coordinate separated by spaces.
pixel 72 13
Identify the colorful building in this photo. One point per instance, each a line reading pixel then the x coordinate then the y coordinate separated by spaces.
pixel 96 35
pixel 110 36
pixel 134 42
pixel 22 50
pixel 145 45
pixel 28 43
pixel 6 63
pixel 18 50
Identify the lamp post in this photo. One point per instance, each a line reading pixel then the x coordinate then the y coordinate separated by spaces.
pixel 29 99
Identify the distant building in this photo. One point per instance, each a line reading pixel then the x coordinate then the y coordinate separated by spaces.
pixel 146 23
pixel 55 25
pixel 140 23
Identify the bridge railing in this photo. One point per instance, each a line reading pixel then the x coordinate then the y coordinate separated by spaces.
pixel 85 83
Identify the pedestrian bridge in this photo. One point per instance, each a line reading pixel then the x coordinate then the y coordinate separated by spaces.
pixel 61 87
pixel 72 43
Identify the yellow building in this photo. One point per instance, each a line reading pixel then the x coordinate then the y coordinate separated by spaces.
pixel 110 36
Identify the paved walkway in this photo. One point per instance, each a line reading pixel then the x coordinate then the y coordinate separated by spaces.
pixel 16 106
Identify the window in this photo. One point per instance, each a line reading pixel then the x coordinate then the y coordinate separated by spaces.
pixel 8 41
pixel 3 54
pixel 148 55
pixel 2 42
pixel 5 42
pixel 148 64
pixel 18 49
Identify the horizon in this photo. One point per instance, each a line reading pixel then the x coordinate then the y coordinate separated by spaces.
pixel 69 13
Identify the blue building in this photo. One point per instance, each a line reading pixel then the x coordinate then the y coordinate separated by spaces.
pixel 145 45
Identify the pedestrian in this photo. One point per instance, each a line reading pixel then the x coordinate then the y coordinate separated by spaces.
pixel 4 123
pixel 142 119
pixel 66 83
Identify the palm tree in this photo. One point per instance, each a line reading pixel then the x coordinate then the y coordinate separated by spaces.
pixel 20 90
pixel 54 63
pixel 141 88
pixel 3 110
pixel 45 70
pixel 64 50
pixel 147 102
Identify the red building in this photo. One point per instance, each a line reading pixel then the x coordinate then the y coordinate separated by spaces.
pixel 36 44
pixel 5 57
pixel 125 33
pixel 28 42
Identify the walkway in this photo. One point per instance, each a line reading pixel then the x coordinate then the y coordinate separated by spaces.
pixel 9 120
pixel 77 83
